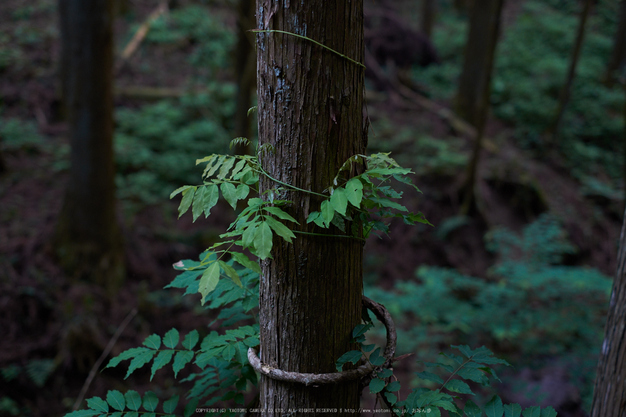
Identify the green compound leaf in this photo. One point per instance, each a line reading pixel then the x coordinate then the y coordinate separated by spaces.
pixel 133 400
pixel 170 405
pixel 185 203
pixel 210 198
pixel 354 192
pixel 226 166
pixel 171 338
pixel 116 400
pixel 339 201
pixel 198 199
pixel 163 358
pixel 139 361
pixel 180 190
pixel 209 280
pixel 494 407
pixel 150 401
pixel 472 410
pixel 247 238
pixel 230 193
pixel 377 385
pixel 279 213
pixel 263 240
pixel 280 229
pixel 512 410
pixel 429 376
pixel 352 356
pixel 211 168
pixel 191 339
pixel 98 404
pixel 181 359
pixel 153 341
pixel 231 273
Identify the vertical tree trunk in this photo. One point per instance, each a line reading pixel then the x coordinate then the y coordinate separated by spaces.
pixel 245 60
pixel 310 111
pixel 609 394
pixel 428 18
pixel 472 100
pixel 552 131
pixel 88 240
pixel 618 54
pixel 475 81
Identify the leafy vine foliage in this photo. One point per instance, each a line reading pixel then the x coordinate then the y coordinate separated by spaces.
pixel 227 280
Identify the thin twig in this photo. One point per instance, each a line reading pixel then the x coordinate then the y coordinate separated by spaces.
pixel 105 353
pixel 309 39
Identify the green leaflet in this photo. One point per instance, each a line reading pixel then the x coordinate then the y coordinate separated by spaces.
pixel 198 201
pixel 376 385
pixel 150 401
pixel 139 361
pixel 339 201
pixel 133 400
pixel 163 358
pixel 352 356
pixel 186 201
pixel 494 407
pixel 263 240
pixel 191 339
pixel 209 200
pixel 280 229
pixel 279 213
pixel 98 404
pixel 116 400
pixel 181 359
pixel 153 341
pixel 209 280
pixel 230 272
pixel 354 192
pixel 229 192
pixel 171 338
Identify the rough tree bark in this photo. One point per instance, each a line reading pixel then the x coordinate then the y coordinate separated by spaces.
pixel 310 111
pixel 552 131
pixel 609 394
pixel 618 53
pixel 245 60
pixel 472 99
pixel 87 239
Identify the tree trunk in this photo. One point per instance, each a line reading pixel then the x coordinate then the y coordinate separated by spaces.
pixel 472 100
pixel 618 54
pixel 609 394
pixel 428 18
pixel 87 239
pixel 552 131
pixel 245 70
pixel 474 84
pixel 310 111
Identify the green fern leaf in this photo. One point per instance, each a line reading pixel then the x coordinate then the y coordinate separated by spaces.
pixel 163 358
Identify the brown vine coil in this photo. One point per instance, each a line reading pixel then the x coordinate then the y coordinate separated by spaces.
pixel 309 379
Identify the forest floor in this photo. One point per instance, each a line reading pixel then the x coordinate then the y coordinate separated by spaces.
pixel 46 316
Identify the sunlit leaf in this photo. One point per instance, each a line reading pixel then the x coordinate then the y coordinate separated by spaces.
pixel 263 240
pixel 209 280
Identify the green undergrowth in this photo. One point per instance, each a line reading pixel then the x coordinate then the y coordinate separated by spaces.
pixel 530 303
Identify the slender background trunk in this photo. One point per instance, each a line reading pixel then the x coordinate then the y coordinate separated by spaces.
pixel 311 111
pixel 88 241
